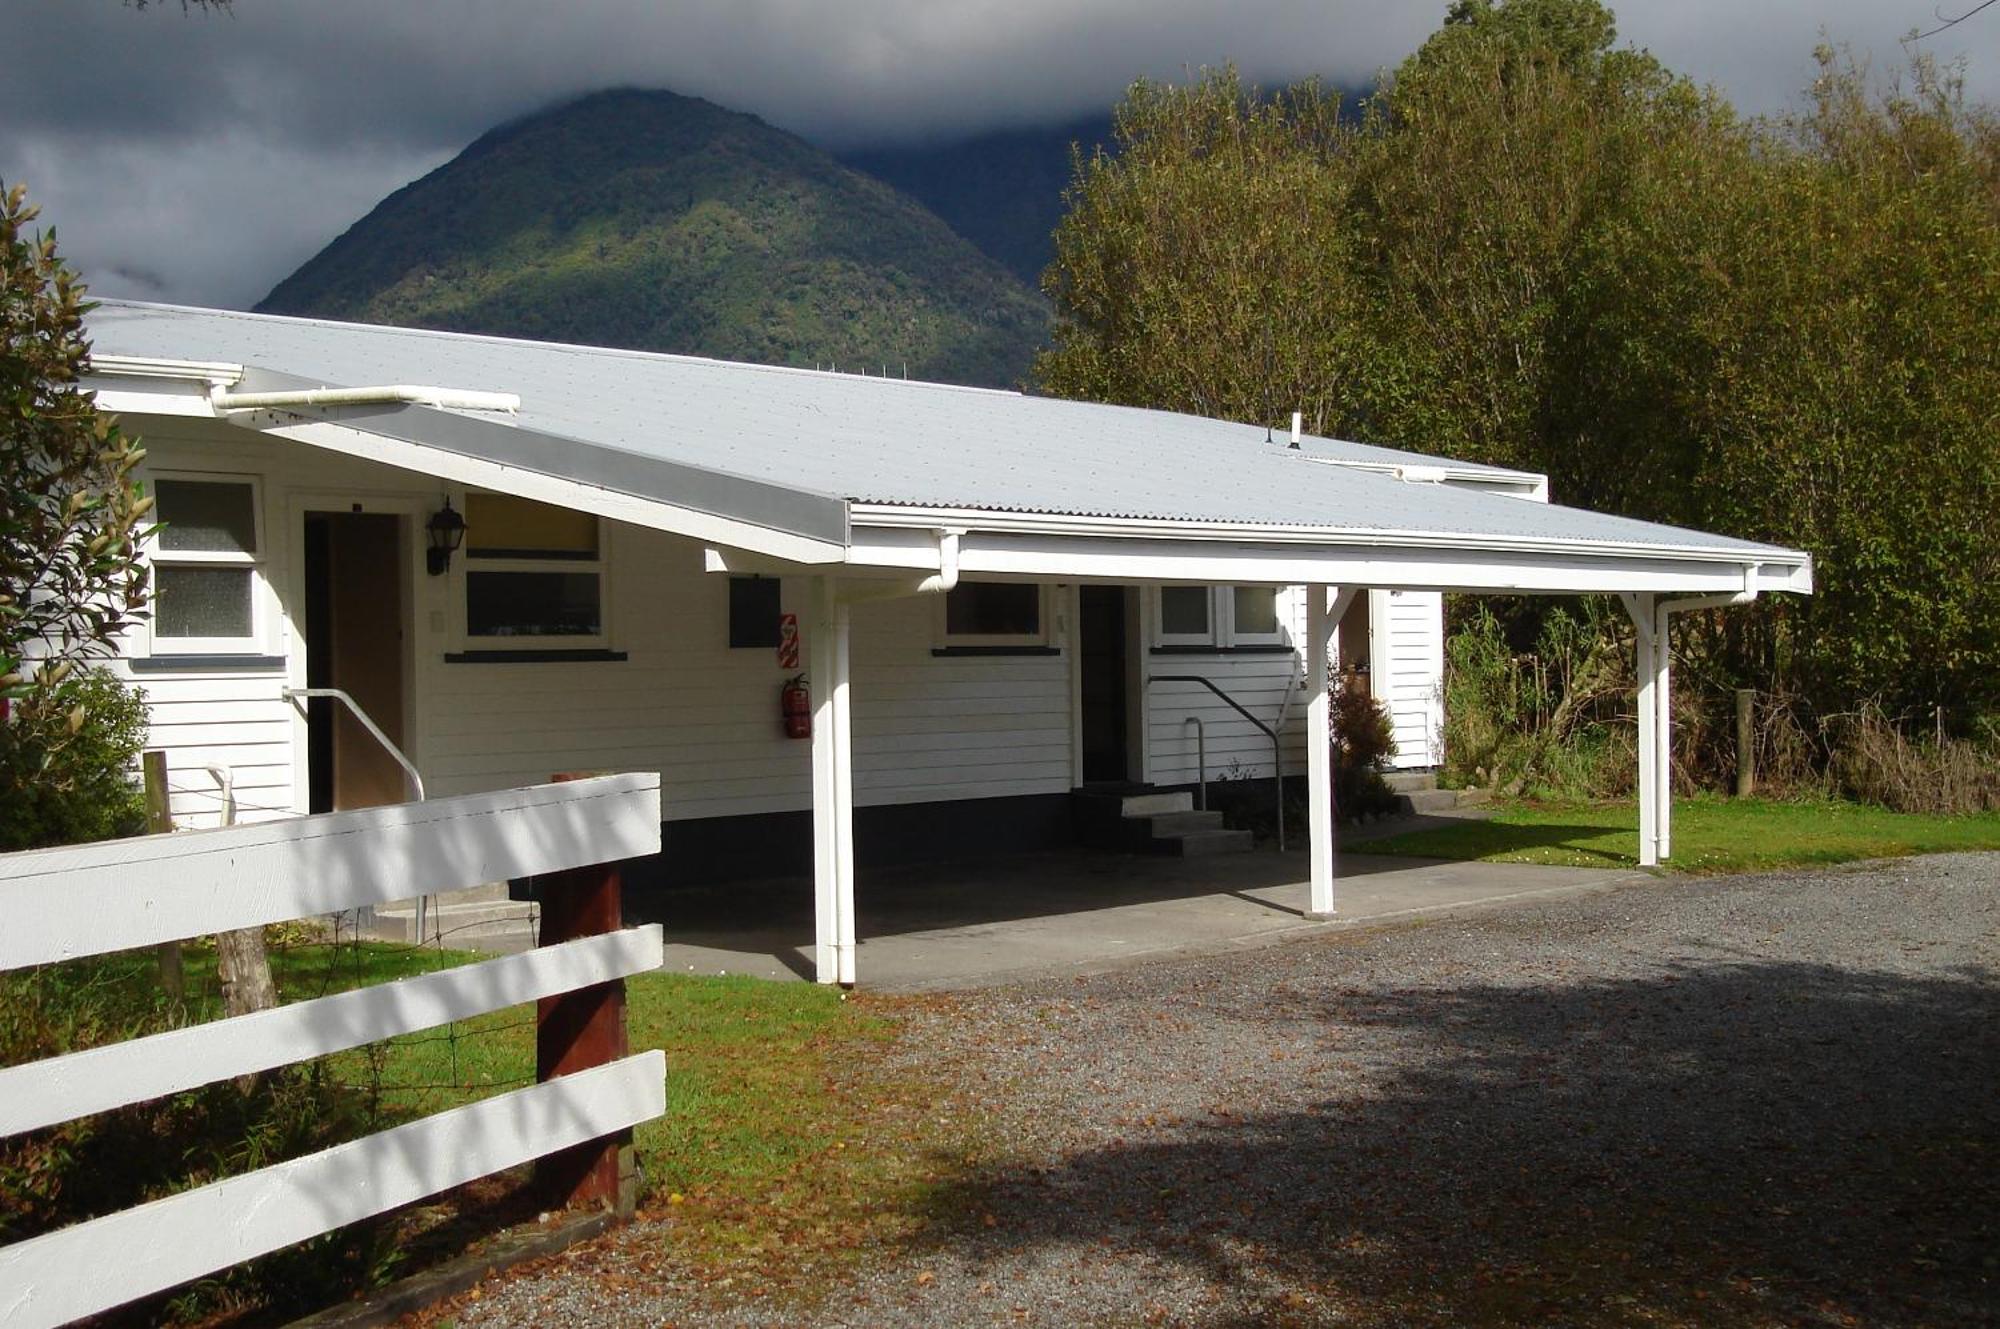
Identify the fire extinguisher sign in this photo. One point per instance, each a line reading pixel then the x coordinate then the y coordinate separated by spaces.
pixel 788 641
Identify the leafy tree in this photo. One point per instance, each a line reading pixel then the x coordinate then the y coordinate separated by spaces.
pixel 1537 248
pixel 70 575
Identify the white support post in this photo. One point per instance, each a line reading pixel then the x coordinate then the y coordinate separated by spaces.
pixel 1320 622
pixel 843 788
pixel 825 762
pixel 1663 729
pixel 1645 623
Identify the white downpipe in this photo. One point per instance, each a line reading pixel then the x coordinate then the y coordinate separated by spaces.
pixel 939 582
pixel 1320 621
pixel 947 573
pixel 410 394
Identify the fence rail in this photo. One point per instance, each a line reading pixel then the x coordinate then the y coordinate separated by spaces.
pixel 88 900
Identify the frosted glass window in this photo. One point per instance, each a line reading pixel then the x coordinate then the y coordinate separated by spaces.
pixel 206 516
pixel 1256 611
pixel 199 600
pixel 1184 611
pixel 532 604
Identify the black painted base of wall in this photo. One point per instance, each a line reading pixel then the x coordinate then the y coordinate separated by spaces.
pixel 779 844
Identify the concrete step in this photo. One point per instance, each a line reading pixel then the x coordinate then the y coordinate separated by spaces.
pixel 1200 844
pixel 1181 823
pixel 1153 805
pixel 1410 782
pixel 467 923
pixel 1429 800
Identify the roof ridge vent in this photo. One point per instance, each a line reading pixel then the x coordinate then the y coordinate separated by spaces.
pixel 1415 474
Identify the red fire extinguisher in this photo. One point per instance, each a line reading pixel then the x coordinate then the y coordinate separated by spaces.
pixel 795 705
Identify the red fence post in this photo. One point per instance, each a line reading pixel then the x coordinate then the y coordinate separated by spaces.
pixel 577 1030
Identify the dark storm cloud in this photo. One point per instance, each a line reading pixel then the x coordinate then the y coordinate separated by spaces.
pixel 199 156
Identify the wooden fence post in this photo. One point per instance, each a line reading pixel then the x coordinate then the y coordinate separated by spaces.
pixel 581 1029
pixel 160 820
pixel 1746 743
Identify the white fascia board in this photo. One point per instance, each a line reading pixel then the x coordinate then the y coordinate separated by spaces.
pixel 120 393
pixel 524 483
pixel 221 373
pixel 1044 524
pixel 1387 564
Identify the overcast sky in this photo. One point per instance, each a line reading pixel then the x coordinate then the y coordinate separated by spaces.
pixel 199 157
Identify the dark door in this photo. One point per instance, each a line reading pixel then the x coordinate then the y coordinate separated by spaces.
pixel 354 631
pixel 1101 656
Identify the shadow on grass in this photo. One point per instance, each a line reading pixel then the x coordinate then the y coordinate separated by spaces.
pixel 1579 845
pixel 1740 1142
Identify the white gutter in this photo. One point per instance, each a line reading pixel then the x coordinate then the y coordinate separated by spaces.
pixel 410 394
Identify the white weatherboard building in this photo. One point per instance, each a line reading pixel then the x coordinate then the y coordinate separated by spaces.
pixel 986 587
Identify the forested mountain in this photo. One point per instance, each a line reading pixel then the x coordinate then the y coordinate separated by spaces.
pixel 659 222
pixel 1002 190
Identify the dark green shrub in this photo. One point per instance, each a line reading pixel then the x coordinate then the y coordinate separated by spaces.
pixel 68 758
pixel 100 1164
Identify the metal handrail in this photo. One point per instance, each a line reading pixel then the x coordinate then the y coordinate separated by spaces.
pixel 1200 758
pixel 409 767
pixel 1277 748
pixel 354 708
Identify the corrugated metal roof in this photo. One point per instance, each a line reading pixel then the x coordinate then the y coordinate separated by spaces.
pixel 890 441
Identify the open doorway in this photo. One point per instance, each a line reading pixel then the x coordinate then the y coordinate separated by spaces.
pixel 354 565
pixel 1103 651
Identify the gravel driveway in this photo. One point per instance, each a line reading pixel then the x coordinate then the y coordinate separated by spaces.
pixel 1751 1100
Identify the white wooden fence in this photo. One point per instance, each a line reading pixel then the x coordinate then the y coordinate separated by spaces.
pixel 60 904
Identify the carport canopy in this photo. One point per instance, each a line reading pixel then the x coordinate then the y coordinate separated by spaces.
pixel 878 487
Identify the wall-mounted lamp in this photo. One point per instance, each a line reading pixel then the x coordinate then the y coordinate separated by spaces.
pixel 447 532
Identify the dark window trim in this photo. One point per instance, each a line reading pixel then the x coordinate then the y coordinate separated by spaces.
pixel 1248 648
pixel 538 555
pixel 995 650
pixel 235 664
pixel 533 656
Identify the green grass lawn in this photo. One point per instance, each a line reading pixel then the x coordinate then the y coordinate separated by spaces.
pixel 785 1143
pixel 1709 835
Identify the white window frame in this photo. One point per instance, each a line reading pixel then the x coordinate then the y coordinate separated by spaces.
pixel 1162 637
pixel 1238 637
pixel 464 563
pixel 948 639
pixel 1222 633
pixel 262 620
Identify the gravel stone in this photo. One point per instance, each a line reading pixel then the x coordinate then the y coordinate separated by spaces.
pixel 1769 1099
